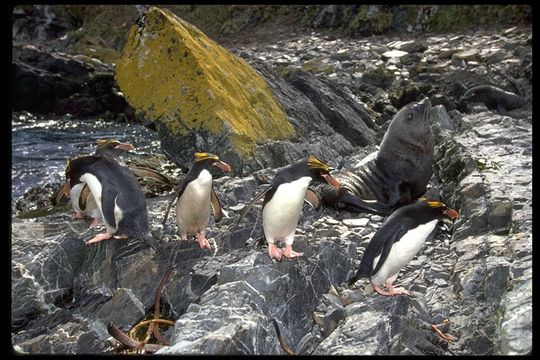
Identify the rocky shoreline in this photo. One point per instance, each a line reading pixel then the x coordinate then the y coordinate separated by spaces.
pixel 473 279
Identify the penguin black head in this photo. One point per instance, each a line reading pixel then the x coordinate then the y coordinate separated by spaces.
pixel 432 209
pixel 204 160
pixel 319 171
pixel 111 147
pixel 74 170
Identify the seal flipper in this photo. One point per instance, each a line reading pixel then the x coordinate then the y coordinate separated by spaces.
pixel 349 202
pixel 146 172
pixel 501 109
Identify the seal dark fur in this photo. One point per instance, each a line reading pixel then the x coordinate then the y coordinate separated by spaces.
pixel 397 174
pixel 494 98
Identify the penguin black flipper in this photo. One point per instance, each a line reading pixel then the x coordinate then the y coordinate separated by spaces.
pixel 145 172
pixel 394 237
pixel 250 204
pixel 216 206
pixel 109 193
pixel 83 197
pixel 349 202
pixel 380 245
pixel 179 190
pixel 313 199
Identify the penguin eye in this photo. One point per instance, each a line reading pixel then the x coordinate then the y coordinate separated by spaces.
pixel 409 117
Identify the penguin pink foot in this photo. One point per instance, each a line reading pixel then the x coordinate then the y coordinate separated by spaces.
pixel 98 238
pixel 274 252
pixel 290 253
pixel 95 223
pixel 203 242
pixel 391 290
pixel 78 215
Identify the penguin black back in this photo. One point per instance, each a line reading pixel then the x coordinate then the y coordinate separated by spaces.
pixel 394 228
pixel 311 167
pixel 120 189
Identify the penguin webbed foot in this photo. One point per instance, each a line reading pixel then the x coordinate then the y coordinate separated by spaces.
pixel 290 253
pixel 275 252
pixel 203 242
pixel 95 223
pixel 98 238
pixel 392 291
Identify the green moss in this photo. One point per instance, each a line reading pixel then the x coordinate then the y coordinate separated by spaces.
pixel 175 74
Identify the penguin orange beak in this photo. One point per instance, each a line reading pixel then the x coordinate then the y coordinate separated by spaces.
pixel 125 147
pixel 331 180
pixel 451 213
pixel 64 191
pixel 222 165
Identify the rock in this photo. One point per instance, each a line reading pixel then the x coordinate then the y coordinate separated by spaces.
pixel 356 222
pixel 123 310
pixel 410 59
pixel 207 98
pixel 345 115
pixel 70 338
pixel 501 216
pixel 515 324
pixel 378 77
pixel 467 55
pixel 63 84
pixel 369 329
pixel 317 66
pixel 237 310
pixel 394 54
pixel 410 46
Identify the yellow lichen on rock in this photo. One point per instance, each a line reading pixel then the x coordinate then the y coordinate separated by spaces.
pixel 173 73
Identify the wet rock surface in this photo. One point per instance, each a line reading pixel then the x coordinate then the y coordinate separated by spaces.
pixel 473 279
pixel 47 81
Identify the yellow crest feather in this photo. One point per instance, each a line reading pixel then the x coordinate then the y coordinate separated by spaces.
pixel 314 163
pixel 199 156
pixel 433 204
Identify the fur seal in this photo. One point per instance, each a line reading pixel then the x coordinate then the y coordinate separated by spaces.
pixel 495 98
pixel 394 176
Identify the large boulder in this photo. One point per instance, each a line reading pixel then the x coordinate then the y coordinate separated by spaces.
pixel 197 90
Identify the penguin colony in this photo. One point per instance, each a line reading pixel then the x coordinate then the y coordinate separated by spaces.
pixel 102 187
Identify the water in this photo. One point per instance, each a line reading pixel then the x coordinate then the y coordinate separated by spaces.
pixel 41 147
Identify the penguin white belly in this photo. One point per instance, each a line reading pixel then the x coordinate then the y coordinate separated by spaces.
pixel 96 189
pixel 193 207
pixel 402 252
pixel 74 195
pixel 281 213
pixel 91 209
